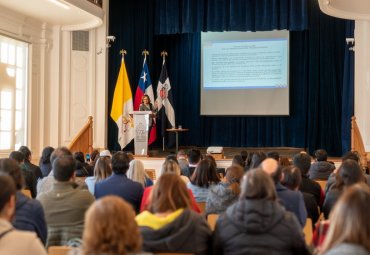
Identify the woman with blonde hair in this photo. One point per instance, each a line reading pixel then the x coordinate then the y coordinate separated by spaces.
pixel 226 192
pixel 136 172
pixel 102 170
pixel 169 166
pixel 349 230
pixel 110 228
pixel 170 225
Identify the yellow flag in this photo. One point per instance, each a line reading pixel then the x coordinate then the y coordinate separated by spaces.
pixel 122 106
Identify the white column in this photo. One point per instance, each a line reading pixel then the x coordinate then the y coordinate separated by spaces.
pixel 362 79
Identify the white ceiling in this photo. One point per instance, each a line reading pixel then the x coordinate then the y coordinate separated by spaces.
pixel 346 9
pixel 80 15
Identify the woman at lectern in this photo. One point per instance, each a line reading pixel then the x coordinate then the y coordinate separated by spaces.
pixel 146 105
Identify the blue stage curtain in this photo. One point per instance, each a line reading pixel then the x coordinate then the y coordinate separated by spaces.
pixel 320 83
pixel 190 16
pixel 348 90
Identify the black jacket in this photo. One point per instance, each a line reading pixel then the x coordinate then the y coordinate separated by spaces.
pixel 188 233
pixel 258 227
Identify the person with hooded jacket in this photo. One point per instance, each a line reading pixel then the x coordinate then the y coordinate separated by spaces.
pixel 257 223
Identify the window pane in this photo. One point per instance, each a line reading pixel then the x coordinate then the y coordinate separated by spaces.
pixel 5 120
pixel 19 56
pixel 19 139
pixel 18 120
pixel 11 56
pixel 19 100
pixel 4 52
pixel 19 79
pixel 10 71
pixel 6 100
pixel 5 140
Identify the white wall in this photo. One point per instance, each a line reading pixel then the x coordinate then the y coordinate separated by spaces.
pixel 65 86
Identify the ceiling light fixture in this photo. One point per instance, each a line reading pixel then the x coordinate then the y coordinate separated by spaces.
pixel 60 4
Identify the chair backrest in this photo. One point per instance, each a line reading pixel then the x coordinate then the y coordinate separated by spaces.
pixel 151 174
pixel 27 193
pixel 308 232
pixel 212 219
pixel 202 207
pixel 62 250
pixel 322 184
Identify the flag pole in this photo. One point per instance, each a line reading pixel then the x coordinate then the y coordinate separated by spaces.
pixel 163 54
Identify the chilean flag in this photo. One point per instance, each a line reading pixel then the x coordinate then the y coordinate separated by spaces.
pixel 145 87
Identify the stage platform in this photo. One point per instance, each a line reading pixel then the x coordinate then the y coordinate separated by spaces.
pixel 157 156
pixel 229 152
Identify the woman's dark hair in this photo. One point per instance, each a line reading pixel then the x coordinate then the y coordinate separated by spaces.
pixel 211 160
pixel 12 168
pixel 349 173
pixel 257 159
pixel 238 161
pixel 292 177
pixel 7 190
pixel 45 155
pixel 79 156
pixel 233 176
pixel 205 174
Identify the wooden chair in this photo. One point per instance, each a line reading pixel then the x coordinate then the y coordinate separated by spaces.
pixel 308 232
pixel 202 207
pixel 151 174
pixel 27 193
pixel 322 184
pixel 212 219
pixel 62 250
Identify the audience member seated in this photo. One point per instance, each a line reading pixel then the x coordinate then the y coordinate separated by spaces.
pixel 94 156
pixel 321 168
pixel 349 231
pixel 203 178
pixel 28 176
pixel 110 228
pixel 102 171
pixel 273 154
pixel 284 161
pixel 225 193
pixel 44 163
pixel 118 183
pixel 292 179
pixel 170 225
pixel 257 159
pixel 27 162
pixel 291 200
pixel 46 183
pixel 136 172
pixel 349 155
pixel 182 159
pixel 349 173
pixel 194 157
pixel 14 242
pixel 238 161
pixel 82 168
pixel 169 167
pixel 65 205
pixel 29 214
pixel 303 162
pixel 248 161
pixel 257 223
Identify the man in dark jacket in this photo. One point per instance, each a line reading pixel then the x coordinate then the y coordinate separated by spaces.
pixel 118 184
pixel 321 168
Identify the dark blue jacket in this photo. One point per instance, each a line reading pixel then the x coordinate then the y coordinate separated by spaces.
pixel 293 202
pixel 120 185
pixel 29 216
